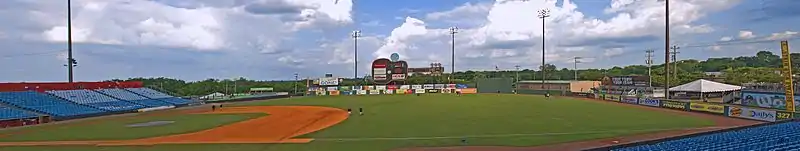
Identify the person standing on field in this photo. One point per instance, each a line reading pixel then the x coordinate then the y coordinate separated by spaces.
pixel 360 111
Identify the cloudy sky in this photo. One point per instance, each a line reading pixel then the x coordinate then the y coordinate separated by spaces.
pixel 273 39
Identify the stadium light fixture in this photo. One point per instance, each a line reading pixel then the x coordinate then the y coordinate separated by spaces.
pixel 355 34
pixel 544 13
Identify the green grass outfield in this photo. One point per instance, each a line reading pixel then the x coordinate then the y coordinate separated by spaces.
pixel 397 121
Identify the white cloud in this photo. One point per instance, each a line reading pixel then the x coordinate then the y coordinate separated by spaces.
pixel 783 35
pixel 613 52
pixel 726 38
pixel 469 13
pixel 745 34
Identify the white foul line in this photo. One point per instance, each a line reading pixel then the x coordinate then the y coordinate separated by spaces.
pixel 501 135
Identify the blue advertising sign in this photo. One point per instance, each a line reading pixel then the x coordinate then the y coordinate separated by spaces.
pixel 650 102
pixel 461 86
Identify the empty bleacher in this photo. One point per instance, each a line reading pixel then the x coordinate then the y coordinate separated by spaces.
pixel 153 94
pixel 7 113
pixel 47 104
pixel 774 137
pixel 95 99
pixel 132 97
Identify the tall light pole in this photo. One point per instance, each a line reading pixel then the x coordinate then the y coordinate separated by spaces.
pixel 453 31
pixel 544 13
pixel 70 61
pixel 295 82
pixel 666 50
pixel 517 66
pixel 355 35
pixel 577 60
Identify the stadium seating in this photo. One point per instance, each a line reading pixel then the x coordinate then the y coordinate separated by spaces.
pixel 7 113
pixel 153 94
pixel 780 136
pixel 95 99
pixel 132 97
pixel 48 104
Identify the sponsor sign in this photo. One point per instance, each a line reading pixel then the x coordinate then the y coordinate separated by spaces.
pixel 333 93
pixel 765 100
pixel 369 88
pixel 786 71
pixel 468 90
pixel 451 86
pixel 419 91
pixel 400 91
pixel 439 86
pixel 630 100
pixel 379 71
pixel 344 88
pixel 362 92
pixel 782 115
pixel 447 91
pixel 627 81
pixel 461 86
pixel 374 92
pixel 328 81
pixel 398 76
pixel 650 102
pixel 674 105
pixel 380 87
pixel 703 107
pixel 332 88
pixel 405 87
pixel 416 86
pixel 391 87
pixel 356 87
pixel 321 93
pixel 432 91
pixel 748 113
pixel 427 86
pixel 388 91
pixel 410 91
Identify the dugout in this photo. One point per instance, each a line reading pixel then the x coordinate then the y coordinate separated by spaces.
pixel 495 85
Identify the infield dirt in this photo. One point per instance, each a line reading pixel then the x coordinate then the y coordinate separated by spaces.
pixel 281 126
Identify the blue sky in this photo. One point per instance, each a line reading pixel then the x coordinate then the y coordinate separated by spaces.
pixel 273 39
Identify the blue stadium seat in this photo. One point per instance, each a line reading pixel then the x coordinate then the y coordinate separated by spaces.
pixel 774 137
pixel 153 94
pixel 11 113
pixel 133 97
pixel 97 100
pixel 47 104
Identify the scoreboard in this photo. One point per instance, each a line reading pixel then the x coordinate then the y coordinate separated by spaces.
pixel 385 71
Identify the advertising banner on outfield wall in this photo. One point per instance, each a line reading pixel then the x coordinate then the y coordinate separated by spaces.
pixel 419 91
pixel 416 86
pixel 344 88
pixel 405 87
pixel 451 86
pixel 468 90
pixel 373 92
pixel 432 91
pixel 767 100
pixel 362 92
pixel 630 100
pixel 783 115
pixel 333 93
pixel 674 105
pixel 710 108
pixel 332 88
pixel 749 113
pixel 392 87
pixel 439 86
pixel 446 91
pixel 650 102
pixel 400 91
pixel 427 86
pixel 388 91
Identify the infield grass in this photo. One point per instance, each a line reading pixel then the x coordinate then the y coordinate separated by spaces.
pixel 398 121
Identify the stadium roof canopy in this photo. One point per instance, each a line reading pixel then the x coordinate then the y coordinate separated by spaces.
pixel 705 86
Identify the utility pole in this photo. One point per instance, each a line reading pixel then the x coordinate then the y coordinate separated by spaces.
pixel 576 67
pixel 453 31
pixel 70 61
pixel 544 13
pixel 295 82
pixel 674 54
pixel 355 35
pixel 649 62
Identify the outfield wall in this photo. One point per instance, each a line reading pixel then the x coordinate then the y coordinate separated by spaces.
pixel 734 111
pixel 390 89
